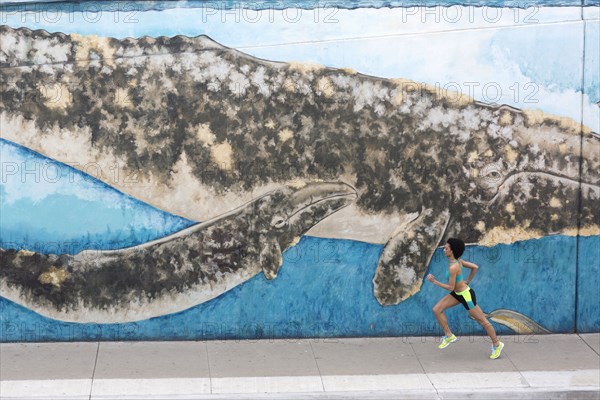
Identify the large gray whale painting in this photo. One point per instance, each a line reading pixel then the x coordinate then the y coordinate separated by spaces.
pixel 200 130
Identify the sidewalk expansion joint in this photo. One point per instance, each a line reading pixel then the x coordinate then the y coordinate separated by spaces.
pixel 518 370
pixel 588 345
pixel 317 364
pixel 208 362
pixel 437 393
pixel 94 371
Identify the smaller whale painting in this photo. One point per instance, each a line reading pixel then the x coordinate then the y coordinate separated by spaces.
pixel 173 273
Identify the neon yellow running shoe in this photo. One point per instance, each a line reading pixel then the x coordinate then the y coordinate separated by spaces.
pixel 446 340
pixel 496 351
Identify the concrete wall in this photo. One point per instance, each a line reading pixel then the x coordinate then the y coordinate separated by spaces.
pixel 271 171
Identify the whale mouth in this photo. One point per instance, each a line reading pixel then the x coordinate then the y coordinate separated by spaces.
pixel 551 176
pixel 504 188
pixel 351 197
pixel 323 193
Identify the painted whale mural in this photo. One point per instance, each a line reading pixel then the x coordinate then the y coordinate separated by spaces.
pixel 173 273
pixel 201 129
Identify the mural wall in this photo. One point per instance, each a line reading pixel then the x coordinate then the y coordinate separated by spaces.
pixel 199 170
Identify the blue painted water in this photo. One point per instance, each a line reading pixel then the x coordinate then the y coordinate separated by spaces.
pixel 51 207
pixel 588 285
pixel 324 289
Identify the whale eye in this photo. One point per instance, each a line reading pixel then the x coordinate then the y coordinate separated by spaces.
pixel 492 174
pixel 278 222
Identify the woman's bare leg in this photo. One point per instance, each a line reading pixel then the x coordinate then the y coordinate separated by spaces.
pixel 438 310
pixel 479 316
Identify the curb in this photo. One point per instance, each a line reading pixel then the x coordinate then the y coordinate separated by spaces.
pixel 582 384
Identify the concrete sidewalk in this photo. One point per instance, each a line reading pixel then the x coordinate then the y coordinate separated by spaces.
pixel 544 367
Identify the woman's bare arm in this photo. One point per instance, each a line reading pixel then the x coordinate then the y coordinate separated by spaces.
pixel 473 267
pixel 451 281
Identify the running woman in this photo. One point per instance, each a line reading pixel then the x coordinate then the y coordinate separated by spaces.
pixel 460 292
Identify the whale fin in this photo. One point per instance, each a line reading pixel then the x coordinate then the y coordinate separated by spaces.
pixel 271 258
pixel 406 256
pixel 518 322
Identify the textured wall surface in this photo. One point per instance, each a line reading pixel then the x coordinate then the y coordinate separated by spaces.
pixel 199 171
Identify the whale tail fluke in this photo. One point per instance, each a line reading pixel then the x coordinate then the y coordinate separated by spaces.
pixel 516 321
